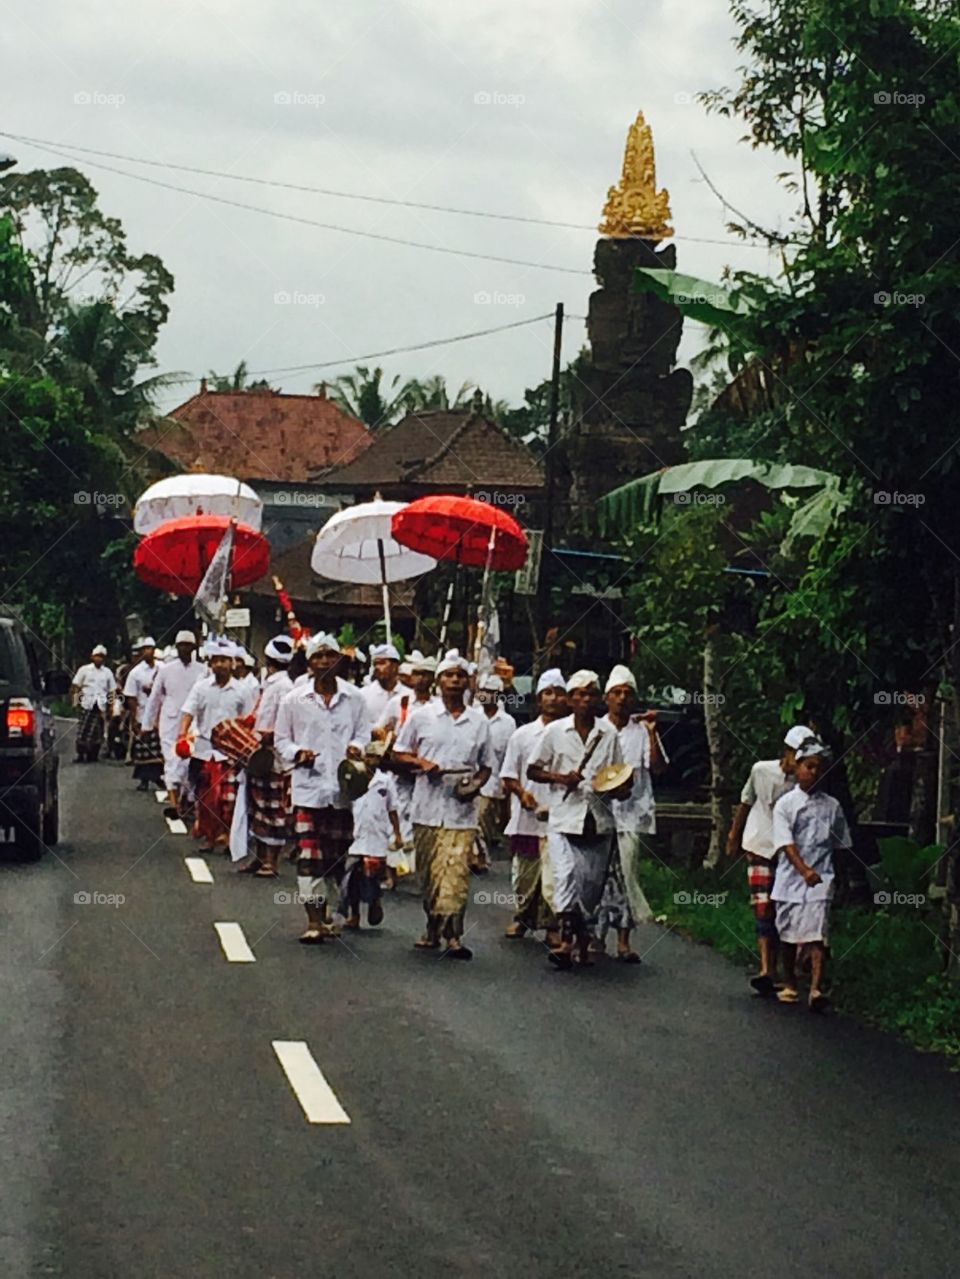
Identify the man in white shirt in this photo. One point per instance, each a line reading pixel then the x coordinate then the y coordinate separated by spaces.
pixel 93 689
pixel 244 670
pixel 385 682
pixel 398 710
pixel 147 751
pixel 172 684
pixel 270 807
pixel 210 702
pixel 319 724
pixel 528 801
pixel 444 744
pixel 624 903
pixel 491 813
pixel 751 834
pixel 581 824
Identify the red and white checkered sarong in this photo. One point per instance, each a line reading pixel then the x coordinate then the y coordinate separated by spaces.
pixel 216 799
pixel 324 836
pixel 760 873
pixel 271 815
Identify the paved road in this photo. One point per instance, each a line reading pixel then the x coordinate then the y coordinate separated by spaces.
pixel 505 1119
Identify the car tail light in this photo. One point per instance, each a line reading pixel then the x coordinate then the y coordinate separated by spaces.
pixel 21 717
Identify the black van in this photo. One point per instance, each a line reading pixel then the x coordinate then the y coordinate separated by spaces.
pixel 29 768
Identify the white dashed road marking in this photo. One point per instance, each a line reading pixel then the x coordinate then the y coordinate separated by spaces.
pixel 235 944
pixel 160 796
pixel 176 826
pixel 200 872
pixel 314 1094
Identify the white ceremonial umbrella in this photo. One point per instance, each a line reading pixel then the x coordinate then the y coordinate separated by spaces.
pixel 356 545
pixel 183 495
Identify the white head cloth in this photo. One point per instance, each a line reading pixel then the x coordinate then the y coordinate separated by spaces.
pixel 621 675
pixel 583 679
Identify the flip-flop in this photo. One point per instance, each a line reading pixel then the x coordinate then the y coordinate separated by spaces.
pixel 426 945
pixel 628 957
pixel 457 952
pixel 265 872
pixel 515 936
pixel 818 1003
pixel 561 959
pixel 310 938
pixel 787 996
pixel 763 984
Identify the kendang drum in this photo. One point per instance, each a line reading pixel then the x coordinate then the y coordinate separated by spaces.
pixel 243 747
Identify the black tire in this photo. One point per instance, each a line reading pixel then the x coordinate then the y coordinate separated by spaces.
pixel 32 845
pixel 50 826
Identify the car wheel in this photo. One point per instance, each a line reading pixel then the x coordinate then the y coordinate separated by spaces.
pixel 32 844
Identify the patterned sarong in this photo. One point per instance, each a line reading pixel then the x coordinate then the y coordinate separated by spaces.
pixel 270 808
pixel 91 731
pixel 443 860
pixel 148 757
pixel 216 797
pixel 532 910
pixel 323 837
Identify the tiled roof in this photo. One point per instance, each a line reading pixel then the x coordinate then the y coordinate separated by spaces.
pixel 446 447
pixel 257 435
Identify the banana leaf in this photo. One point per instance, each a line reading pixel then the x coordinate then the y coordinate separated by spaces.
pixel 697 299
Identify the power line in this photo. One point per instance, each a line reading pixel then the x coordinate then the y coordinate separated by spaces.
pixel 324 226
pixel 46 143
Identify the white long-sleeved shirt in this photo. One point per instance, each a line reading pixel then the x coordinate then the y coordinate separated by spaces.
pixel 96 684
pixel 169 692
pixel 307 722
pixel 275 689
pixel 814 822
pixel 502 726
pixel 376 698
pixel 210 704
pixel 562 751
pixel 636 813
pixel 461 741
pixel 139 684
pixel 521 749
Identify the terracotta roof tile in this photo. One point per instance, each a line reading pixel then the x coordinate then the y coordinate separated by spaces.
pixel 258 435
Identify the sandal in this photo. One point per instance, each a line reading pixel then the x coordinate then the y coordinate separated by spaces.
pixel 818 1002
pixel 628 957
pixel 788 996
pixel 457 952
pixel 562 959
pixel 266 872
pixel 311 938
pixel 764 985
pixel 516 931
pixel 426 944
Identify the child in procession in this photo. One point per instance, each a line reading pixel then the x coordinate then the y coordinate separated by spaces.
pixel 808 825
pixel 376 831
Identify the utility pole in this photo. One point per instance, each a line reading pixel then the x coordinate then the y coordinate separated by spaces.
pixel 543 585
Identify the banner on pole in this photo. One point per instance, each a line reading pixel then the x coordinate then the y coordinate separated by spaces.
pixel 528 578
pixel 210 602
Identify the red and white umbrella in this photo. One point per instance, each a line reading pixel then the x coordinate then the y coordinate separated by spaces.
pixel 176 556
pixel 179 496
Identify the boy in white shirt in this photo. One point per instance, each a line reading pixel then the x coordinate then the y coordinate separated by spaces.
pixel 376 831
pixel 751 833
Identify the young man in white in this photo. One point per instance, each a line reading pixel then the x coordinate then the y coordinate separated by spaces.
pixel 491 814
pixel 395 714
pixel 94 688
pixel 527 834
pixel 319 724
pixel 751 833
pixel 624 903
pixel 581 824
pixel 147 750
pixel 808 827
pixel 443 743
pixel 385 682
pixel 170 690
pixel 214 778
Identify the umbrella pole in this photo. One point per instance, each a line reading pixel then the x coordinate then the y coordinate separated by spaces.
pixel 445 624
pixel 386 592
pixel 484 589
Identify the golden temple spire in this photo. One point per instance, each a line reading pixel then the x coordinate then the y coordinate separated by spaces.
pixel 634 206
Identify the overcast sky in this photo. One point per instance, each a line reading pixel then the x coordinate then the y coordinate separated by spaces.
pixel 382 98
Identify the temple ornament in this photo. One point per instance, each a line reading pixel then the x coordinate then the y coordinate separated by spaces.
pixel 634 206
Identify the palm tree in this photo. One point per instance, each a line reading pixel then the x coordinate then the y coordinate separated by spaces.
pixel 235 381
pixel 363 394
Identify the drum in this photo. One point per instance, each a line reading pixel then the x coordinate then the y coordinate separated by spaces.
pixel 242 747
pixel 467 787
pixel 354 778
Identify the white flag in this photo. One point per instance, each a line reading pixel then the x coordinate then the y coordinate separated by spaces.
pixel 212 596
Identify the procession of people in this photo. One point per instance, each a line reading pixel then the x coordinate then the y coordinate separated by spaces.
pixel 421 770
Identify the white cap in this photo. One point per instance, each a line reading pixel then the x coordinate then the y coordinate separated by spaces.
pixel 280 648
pixel 98 648
pixel 185 637
pixel 583 679
pixel 490 684
pixel 248 658
pixel 147 642
pixel 798 735
pixel 406 668
pixel 219 646
pixel 621 675
pixel 316 642
pixel 385 650
pixel 812 746
pixel 553 678
pixel 452 661
pixel 420 663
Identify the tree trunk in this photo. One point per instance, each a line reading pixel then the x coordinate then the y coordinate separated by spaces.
pixel 720 806
pixel 951 727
